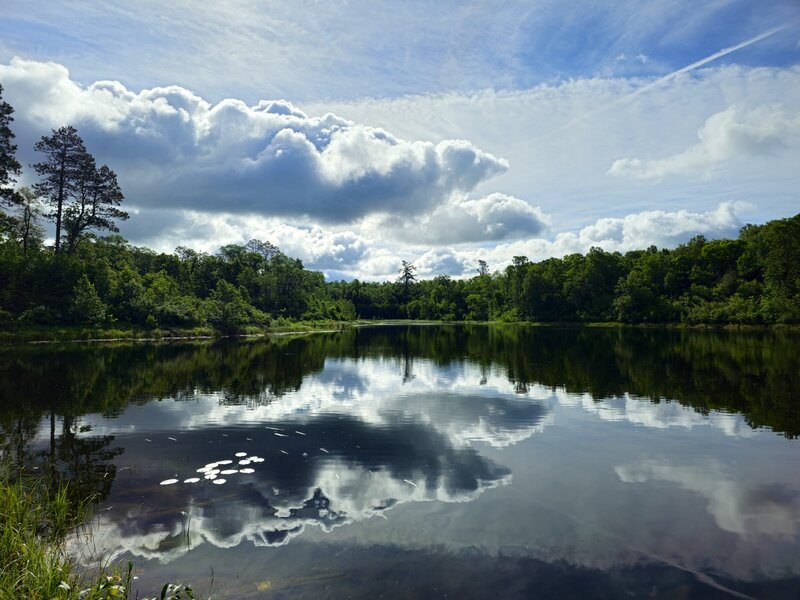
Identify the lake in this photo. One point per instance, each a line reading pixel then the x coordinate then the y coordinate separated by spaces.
pixel 428 461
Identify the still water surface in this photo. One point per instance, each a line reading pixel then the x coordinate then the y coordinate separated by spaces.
pixel 438 461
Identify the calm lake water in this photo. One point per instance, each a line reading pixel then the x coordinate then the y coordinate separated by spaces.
pixel 428 461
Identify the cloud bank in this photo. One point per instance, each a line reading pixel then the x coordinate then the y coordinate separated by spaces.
pixel 618 234
pixel 174 149
pixel 462 220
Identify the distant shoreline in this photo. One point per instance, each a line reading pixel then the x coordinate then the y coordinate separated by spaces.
pixel 56 335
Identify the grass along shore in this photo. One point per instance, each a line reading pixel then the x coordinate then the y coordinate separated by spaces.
pixel 35 520
pixel 77 333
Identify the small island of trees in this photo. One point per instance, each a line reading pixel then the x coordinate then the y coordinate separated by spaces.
pixel 89 279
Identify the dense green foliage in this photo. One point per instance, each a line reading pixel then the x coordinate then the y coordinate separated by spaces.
pixel 100 281
pixel 107 281
pixel 753 279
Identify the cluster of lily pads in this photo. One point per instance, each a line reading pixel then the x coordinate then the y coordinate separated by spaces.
pixel 212 472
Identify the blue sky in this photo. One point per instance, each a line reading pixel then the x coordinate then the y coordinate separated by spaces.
pixel 455 130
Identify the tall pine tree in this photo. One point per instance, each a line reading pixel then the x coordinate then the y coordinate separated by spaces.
pixel 96 200
pixel 9 166
pixel 65 156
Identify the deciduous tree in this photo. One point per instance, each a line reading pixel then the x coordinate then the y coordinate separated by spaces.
pixel 87 307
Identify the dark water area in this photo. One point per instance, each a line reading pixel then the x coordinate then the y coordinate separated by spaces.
pixel 428 461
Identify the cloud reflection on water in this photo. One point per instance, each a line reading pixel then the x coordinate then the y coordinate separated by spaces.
pixel 746 509
pixel 657 415
pixel 379 452
pixel 417 425
pixel 393 440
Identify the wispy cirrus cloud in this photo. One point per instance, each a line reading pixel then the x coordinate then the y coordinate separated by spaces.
pixel 322 51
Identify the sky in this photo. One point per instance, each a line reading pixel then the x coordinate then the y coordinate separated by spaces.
pixel 357 134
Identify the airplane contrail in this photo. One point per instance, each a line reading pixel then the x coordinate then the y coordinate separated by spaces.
pixel 671 76
pixel 707 59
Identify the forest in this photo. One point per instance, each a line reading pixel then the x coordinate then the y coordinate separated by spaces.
pixel 91 276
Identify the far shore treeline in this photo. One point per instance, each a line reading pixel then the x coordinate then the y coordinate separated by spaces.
pixel 93 280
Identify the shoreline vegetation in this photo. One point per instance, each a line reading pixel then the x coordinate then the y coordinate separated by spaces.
pixel 108 285
pixel 66 334
pixel 36 518
pixel 111 289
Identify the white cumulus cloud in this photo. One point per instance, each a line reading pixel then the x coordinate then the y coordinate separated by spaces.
pixel 658 227
pixel 365 253
pixel 171 148
pixel 354 200
pixel 727 135
pixel 319 248
pixel 464 220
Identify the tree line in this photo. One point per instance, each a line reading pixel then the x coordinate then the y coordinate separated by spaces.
pixel 91 279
